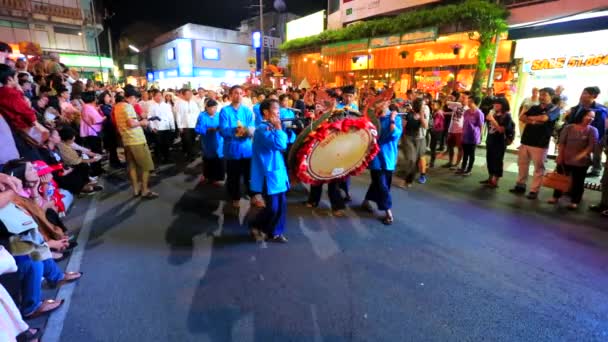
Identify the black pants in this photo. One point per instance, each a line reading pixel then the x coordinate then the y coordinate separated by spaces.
pixel 468 157
pixel 189 142
pixel 578 174
pixel 110 143
pixel 436 137
pixel 237 169
pixel 162 145
pixel 345 186
pixel 75 180
pixel 333 190
pixel 379 190
pixel 94 144
pixel 213 169
pixel 495 155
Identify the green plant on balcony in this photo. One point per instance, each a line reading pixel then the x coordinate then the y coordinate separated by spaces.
pixel 275 60
pixel 485 17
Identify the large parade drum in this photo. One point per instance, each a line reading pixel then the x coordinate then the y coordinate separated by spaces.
pixel 338 144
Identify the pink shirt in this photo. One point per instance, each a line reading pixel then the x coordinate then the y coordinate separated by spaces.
pixel 90 114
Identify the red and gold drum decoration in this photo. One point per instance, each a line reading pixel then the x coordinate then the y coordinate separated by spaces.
pixel 335 145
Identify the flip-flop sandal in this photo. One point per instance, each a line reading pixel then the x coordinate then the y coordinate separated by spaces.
pixel 387 220
pixel 605 213
pixel 98 188
pixel 65 280
pixel 150 195
pixel 42 310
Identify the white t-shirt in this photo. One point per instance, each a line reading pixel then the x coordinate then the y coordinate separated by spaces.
pixel 457 123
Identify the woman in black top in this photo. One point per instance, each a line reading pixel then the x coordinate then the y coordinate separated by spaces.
pixel 501 131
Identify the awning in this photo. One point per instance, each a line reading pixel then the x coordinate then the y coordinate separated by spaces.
pixel 593 21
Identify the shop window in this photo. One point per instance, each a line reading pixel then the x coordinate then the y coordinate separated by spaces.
pixel 333 6
pixel 171 54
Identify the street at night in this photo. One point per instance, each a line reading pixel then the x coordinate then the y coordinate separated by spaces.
pixel 460 263
pixel 320 170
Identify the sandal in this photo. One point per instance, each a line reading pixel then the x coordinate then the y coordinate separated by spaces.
pixel 47 306
pixel 257 235
pixel 149 195
pixel 30 335
pixel 605 213
pixel 68 277
pixel 387 220
pixel 339 213
pixel 310 205
pixel 572 206
pixel 280 238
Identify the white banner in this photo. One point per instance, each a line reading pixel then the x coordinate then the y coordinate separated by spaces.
pixel 353 10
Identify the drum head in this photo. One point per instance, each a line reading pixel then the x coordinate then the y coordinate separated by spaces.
pixel 339 154
pixel 336 150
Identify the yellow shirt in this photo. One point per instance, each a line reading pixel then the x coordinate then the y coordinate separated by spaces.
pixel 123 112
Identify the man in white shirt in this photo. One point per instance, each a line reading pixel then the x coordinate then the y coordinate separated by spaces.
pixel 186 115
pixel 145 103
pixel 200 99
pixel 162 123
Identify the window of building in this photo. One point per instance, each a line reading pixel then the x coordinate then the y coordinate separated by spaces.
pixel 333 6
pixel 171 54
pixel 212 54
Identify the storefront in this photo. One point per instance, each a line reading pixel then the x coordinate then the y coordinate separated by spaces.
pixel 418 59
pixel 549 62
pixel 89 67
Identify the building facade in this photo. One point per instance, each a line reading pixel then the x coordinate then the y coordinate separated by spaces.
pixel 198 56
pixel 67 27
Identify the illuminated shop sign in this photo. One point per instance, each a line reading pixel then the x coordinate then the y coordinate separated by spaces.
pixel 566 62
pixel 344 47
pixel 306 26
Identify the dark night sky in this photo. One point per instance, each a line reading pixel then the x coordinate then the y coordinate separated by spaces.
pixel 218 13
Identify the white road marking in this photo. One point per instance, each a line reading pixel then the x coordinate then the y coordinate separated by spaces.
pixel 315 323
pixel 322 243
pixel 243 329
pixel 54 326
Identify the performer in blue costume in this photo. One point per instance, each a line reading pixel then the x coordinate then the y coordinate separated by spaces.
pixel 212 143
pixel 269 174
pixel 237 127
pixel 383 166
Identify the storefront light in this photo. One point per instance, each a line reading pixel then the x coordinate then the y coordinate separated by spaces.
pixel 305 59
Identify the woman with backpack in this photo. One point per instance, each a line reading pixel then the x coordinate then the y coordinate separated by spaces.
pixel 501 132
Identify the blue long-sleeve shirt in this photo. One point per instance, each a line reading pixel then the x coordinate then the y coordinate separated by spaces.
pixel 267 164
pixel 236 147
pixel 386 159
pixel 212 142
pixel 258 114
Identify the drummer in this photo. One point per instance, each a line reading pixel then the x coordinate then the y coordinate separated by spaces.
pixel 348 103
pixel 383 165
pixel 269 174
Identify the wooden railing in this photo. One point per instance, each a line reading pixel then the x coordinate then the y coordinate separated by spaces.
pixel 56 10
pixel 22 5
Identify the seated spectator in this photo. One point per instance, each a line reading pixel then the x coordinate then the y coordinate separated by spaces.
pixel 68 153
pixel 73 179
pixel 11 321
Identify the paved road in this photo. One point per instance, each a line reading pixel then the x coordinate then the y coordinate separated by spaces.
pixel 461 263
